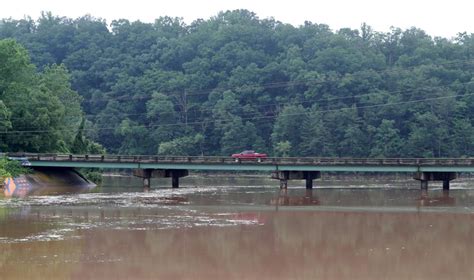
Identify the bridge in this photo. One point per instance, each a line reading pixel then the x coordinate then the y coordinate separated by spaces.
pixel 283 169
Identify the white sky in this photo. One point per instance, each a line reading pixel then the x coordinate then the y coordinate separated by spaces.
pixel 437 17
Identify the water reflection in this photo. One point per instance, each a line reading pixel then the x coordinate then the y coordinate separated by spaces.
pixel 437 200
pixel 288 245
pixel 236 233
pixel 172 200
pixel 284 199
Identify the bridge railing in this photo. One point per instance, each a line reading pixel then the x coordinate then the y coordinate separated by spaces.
pixel 230 160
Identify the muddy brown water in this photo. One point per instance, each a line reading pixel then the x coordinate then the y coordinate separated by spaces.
pixel 244 228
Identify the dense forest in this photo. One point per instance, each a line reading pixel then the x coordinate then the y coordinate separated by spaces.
pixel 233 82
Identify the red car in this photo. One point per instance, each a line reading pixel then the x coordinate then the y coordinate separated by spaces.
pixel 249 155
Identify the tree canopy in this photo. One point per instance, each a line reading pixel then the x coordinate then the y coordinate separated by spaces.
pixel 39 112
pixel 233 82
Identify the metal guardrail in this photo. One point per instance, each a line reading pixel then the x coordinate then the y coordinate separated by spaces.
pixel 264 161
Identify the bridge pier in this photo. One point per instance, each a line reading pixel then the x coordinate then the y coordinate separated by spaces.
pixel 309 176
pixel 446 185
pixel 175 174
pixel 425 177
pixel 147 174
pixel 146 184
pixel 284 176
pixel 424 184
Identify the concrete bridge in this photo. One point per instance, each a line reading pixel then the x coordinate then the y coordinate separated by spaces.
pixel 283 169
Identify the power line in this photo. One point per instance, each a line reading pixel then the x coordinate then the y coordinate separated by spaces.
pixel 245 119
pixel 272 85
pixel 319 99
pixel 269 85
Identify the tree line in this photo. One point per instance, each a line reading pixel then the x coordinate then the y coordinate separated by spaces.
pixel 233 82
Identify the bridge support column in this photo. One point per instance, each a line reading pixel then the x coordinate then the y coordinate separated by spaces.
pixel 175 174
pixel 310 176
pixel 147 174
pixel 425 177
pixel 284 176
pixel 424 184
pixel 174 181
pixel 146 184
pixel 446 185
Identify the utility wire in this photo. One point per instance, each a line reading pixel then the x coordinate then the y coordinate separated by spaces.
pixel 244 119
pixel 273 85
pixel 278 104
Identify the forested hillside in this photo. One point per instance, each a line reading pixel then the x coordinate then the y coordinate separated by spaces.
pixel 234 82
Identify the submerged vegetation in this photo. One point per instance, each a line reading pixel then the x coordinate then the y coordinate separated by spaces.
pixel 92 175
pixel 10 168
pixel 233 82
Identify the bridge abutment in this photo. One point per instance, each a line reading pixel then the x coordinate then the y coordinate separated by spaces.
pixel 425 177
pixel 284 176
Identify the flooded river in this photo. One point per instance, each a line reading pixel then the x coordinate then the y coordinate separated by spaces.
pixel 247 228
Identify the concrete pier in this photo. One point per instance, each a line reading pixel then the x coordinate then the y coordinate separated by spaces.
pixel 425 177
pixel 147 174
pixel 309 176
pixel 284 176
pixel 146 184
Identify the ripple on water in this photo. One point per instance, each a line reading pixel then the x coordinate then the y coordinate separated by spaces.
pixel 125 199
pixel 67 227
pixel 67 215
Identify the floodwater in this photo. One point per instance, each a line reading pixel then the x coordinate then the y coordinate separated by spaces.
pixel 220 228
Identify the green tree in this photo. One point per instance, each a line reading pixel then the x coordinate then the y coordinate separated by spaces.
pixel 162 119
pixel 83 145
pixel 315 136
pixel 428 137
pixel 463 137
pixel 183 146
pixel 146 84
pixel 287 127
pixel 282 149
pixel 10 168
pixel 5 124
pixel 136 138
pixel 39 110
pixel 56 80
pixel 240 136
pixel 387 142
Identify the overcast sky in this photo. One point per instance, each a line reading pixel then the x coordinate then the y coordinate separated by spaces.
pixel 438 18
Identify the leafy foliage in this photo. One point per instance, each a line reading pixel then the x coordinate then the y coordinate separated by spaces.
pixel 10 168
pixel 233 82
pixel 39 112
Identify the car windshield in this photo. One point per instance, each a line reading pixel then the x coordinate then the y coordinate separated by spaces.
pixel 248 152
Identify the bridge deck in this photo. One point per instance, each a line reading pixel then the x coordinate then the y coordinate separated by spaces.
pixel 265 164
